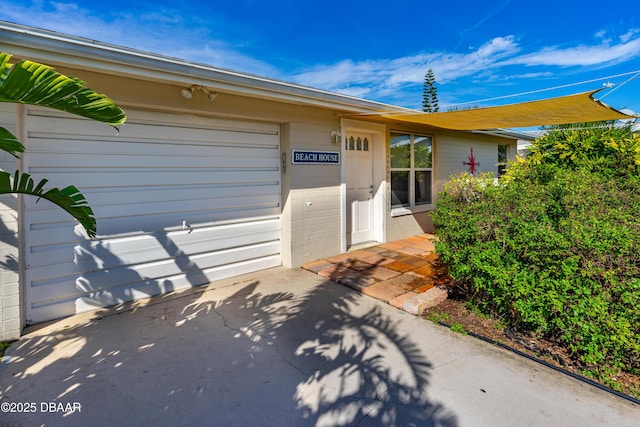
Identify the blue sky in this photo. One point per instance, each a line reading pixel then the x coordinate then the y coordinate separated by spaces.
pixel 480 52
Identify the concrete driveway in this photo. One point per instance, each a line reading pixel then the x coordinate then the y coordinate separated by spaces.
pixel 281 348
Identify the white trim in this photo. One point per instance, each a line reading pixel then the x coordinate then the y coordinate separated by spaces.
pixel 24 239
pixel 413 208
pixel 401 211
pixel 343 194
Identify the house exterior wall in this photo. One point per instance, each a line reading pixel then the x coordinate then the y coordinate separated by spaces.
pixel 454 149
pixel 403 226
pixel 451 149
pixel 311 214
pixel 10 299
pixel 311 203
pixel 313 196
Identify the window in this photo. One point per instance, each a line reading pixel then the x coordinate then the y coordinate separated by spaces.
pixel 411 170
pixel 503 155
pixel 356 144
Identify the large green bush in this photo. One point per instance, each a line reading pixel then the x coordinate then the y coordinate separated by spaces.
pixel 554 247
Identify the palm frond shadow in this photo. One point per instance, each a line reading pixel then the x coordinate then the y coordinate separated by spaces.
pixel 356 367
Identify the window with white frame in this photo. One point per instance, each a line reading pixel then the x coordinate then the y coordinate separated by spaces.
pixel 411 170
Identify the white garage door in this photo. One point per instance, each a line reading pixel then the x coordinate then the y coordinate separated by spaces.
pixel 179 200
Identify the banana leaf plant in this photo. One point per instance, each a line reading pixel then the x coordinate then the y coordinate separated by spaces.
pixel 31 83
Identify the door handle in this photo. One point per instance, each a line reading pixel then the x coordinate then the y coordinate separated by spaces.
pixel 371 190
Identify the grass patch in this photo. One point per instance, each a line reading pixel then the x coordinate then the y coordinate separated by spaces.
pixel 3 346
pixel 438 317
pixel 458 328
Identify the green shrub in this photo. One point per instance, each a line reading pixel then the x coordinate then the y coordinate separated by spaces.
pixel 554 249
pixel 598 146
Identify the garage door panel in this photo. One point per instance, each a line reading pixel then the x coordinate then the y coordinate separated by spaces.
pixel 142 289
pixel 92 145
pixel 217 236
pixel 239 204
pixel 181 281
pixel 66 260
pixel 99 197
pixel 155 177
pixel 56 127
pixel 100 280
pixel 67 271
pixel 172 140
pixel 221 177
pixel 168 207
pixel 151 223
pixel 193 266
pixel 65 229
pixel 54 161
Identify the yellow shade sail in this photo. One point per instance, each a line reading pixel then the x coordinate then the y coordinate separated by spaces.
pixel 577 108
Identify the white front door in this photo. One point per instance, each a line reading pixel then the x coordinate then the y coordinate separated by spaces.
pixel 359 181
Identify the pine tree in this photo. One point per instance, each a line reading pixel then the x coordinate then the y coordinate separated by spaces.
pixel 430 93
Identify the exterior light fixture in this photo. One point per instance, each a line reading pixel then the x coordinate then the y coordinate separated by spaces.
pixel 210 94
pixel 188 92
pixel 335 137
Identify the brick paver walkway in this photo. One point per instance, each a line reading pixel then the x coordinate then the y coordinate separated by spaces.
pixel 394 272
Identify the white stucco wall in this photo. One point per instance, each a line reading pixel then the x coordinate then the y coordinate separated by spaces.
pixel 311 196
pixel 454 149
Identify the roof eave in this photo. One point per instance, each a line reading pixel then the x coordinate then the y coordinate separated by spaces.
pixel 60 49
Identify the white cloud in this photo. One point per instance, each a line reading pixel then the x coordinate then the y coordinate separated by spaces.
pixel 195 38
pixel 629 35
pixel 165 32
pixel 385 77
pixel 582 55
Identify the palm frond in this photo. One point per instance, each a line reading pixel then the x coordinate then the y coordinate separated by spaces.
pixel 9 143
pixel 29 82
pixel 69 198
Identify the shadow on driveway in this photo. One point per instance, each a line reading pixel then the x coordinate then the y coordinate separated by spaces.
pixel 287 348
